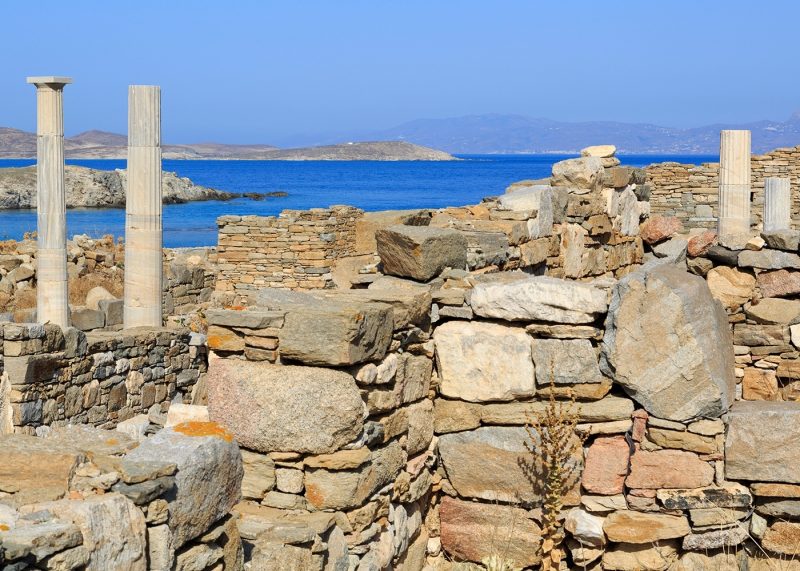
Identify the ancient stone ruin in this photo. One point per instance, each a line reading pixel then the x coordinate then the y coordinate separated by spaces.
pixel 369 391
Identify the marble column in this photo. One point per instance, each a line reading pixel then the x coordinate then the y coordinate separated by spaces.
pixel 777 204
pixel 734 182
pixel 52 302
pixel 143 240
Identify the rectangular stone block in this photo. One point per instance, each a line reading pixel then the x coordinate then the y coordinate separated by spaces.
pixel 763 442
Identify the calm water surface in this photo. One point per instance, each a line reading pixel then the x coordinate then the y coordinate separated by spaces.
pixel 366 184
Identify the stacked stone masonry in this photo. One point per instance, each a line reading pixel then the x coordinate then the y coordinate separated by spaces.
pixel 690 192
pixel 386 426
pixel 50 377
pixel 295 250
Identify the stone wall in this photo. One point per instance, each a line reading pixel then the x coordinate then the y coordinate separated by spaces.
pixel 53 378
pixel 295 250
pixel 86 498
pixel 684 405
pixel 689 192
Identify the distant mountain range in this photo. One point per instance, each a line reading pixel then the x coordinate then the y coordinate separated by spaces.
pixel 519 134
pixel 15 143
pixel 471 134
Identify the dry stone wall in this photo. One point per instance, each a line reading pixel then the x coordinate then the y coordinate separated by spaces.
pixel 53 378
pixel 689 192
pixel 295 250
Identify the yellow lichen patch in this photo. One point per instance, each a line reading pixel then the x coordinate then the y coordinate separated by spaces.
pixel 4 527
pixel 196 428
pixel 112 441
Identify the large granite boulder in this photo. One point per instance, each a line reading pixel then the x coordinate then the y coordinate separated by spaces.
pixel 538 298
pixel 284 408
pixel 668 343
pixel 484 361
pixel 763 442
pixel 420 252
pixel 473 531
pixel 207 458
pixel 336 332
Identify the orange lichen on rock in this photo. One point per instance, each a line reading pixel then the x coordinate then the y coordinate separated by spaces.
pixel 196 428
pixel 4 527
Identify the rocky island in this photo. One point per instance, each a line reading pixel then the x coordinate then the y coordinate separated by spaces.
pixel 91 188
pixel 17 144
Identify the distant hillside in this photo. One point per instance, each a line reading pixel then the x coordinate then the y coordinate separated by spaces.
pixel 520 134
pixel 102 145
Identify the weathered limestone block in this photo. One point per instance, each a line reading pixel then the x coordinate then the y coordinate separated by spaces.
pixel 539 298
pixel 635 557
pixel 585 173
pixel 774 311
pixel 347 489
pixel 207 458
pixel 601 151
pixel 763 442
pixel 788 240
pixel 420 252
pixel 768 259
pixel 336 333
pixel 486 463
pixel 730 286
pixel 412 380
pixel 39 541
pixel 484 361
pixel 639 527
pixel 668 343
pixel 472 531
pixel 34 468
pixel 284 408
pixel 668 469
pixel 179 412
pixel 113 529
pixel 565 362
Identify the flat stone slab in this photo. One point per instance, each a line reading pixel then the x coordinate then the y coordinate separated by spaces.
pixel 539 298
pixel 763 442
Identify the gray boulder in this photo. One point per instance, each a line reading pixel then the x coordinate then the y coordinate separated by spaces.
pixel 768 259
pixel 668 343
pixel 207 458
pixel 782 239
pixel 274 408
pixel 420 252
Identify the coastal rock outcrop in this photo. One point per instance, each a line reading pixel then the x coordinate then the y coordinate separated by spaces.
pixel 91 188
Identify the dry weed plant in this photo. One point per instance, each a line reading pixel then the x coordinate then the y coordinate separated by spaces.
pixel 553 444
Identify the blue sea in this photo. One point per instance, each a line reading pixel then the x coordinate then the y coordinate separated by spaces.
pixel 366 184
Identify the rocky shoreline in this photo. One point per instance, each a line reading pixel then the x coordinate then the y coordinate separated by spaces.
pixel 91 188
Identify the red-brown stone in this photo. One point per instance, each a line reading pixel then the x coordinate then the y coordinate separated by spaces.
pixel 472 531
pixel 778 283
pixel 606 466
pixel 668 469
pixel 658 228
pixel 700 244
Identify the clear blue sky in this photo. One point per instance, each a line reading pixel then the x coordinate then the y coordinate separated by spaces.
pixel 262 71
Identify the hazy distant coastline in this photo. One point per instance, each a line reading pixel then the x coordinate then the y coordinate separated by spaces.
pixel 17 144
